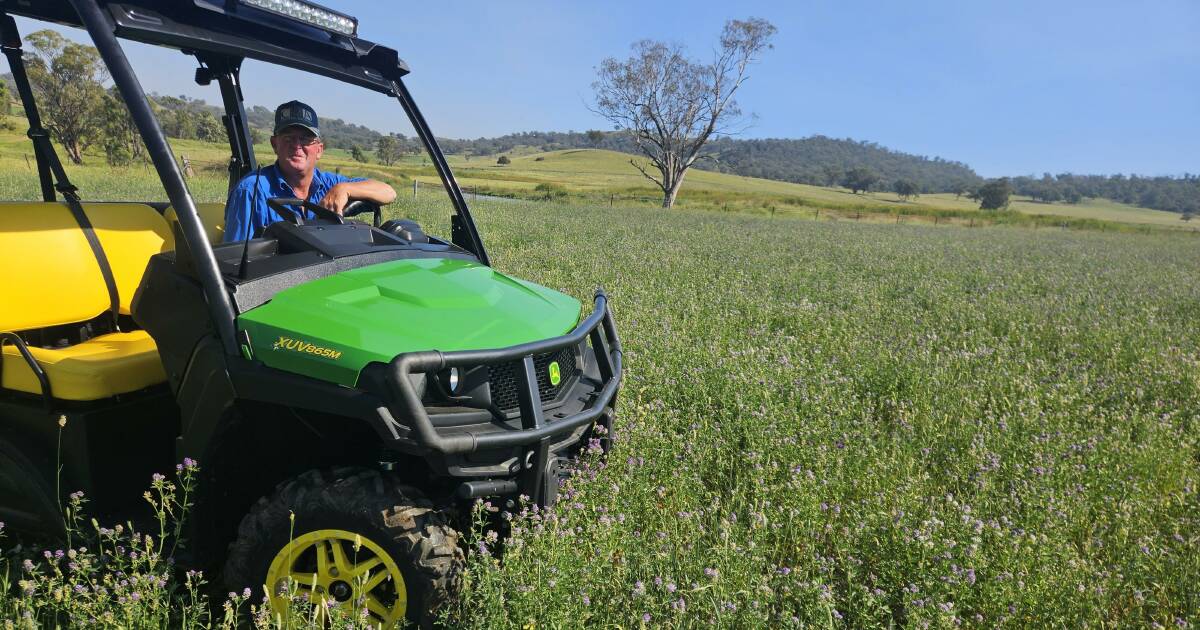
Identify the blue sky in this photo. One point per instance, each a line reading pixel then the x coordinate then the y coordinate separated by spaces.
pixel 1010 88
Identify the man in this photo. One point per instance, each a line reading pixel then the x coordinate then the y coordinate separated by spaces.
pixel 298 145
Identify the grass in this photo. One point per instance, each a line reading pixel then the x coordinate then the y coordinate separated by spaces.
pixel 839 424
pixel 845 424
pixel 589 176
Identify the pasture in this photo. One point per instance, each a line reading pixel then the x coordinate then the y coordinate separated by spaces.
pixel 843 424
pixel 838 424
pixel 585 176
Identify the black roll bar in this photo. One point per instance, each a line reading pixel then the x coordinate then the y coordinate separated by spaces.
pixel 10 42
pixel 100 27
pixel 475 244
pixel 227 72
pixel 607 348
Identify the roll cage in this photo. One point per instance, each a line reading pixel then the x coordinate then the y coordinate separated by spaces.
pixel 220 35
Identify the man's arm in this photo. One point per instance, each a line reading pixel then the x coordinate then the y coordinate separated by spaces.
pixel 343 193
pixel 238 212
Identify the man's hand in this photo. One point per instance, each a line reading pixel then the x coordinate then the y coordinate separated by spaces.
pixel 368 190
pixel 336 199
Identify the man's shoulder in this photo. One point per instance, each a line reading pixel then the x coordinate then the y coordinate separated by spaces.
pixel 252 179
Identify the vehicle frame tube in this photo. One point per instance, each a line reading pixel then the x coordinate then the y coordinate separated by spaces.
pixel 100 27
pixel 605 344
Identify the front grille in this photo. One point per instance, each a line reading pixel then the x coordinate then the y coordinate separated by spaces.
pixel 503 378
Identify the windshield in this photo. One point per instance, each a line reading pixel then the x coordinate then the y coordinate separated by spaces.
pixel 365 134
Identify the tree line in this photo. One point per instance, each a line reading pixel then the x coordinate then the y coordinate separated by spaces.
pixel 80 112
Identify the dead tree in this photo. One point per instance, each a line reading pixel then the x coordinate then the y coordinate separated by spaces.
pixel 672 105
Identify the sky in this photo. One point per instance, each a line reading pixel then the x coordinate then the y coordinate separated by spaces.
pixel 1009 87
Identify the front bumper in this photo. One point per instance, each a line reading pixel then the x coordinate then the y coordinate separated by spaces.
pixel 538 437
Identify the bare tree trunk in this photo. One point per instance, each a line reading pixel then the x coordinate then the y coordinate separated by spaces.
pixel 74 152
pixel 671 192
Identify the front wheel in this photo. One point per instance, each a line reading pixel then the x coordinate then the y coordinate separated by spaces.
pixel 359 539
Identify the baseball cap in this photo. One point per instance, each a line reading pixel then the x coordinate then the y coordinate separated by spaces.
pixel 295 113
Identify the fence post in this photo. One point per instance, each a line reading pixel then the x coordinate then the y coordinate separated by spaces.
pixel 897 218
pixel 935 219
pixel 27 166
pixel 611 196
pixel 857 215
pixel 415 184
pixel 972 222
pixel 817 214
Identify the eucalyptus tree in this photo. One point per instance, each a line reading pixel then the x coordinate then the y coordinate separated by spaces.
pixel 672 105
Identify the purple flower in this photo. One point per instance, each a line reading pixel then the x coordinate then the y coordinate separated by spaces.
pixel 189 463
pixel 158 478
pixel 587 601
pixel 710 572
pixel 646 618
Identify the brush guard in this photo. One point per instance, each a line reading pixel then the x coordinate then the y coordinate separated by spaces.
pixel 536 479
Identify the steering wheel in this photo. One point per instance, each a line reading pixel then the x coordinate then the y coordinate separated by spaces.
pixel 355 208
pixel 280 205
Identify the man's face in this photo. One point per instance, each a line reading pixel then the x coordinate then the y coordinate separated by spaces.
pixel 298 150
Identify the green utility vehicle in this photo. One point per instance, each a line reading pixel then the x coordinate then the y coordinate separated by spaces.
pixel 369 379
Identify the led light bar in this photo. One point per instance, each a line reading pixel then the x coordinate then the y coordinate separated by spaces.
pixel 308 13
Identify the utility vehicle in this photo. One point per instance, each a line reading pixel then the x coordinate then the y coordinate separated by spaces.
pixel 370 380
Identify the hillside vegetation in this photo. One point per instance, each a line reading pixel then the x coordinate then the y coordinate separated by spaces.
pixel 584 175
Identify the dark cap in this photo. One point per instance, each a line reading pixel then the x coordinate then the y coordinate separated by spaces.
pixel 295 113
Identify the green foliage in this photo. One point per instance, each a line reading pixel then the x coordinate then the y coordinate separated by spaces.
pixel 550 191
pixel 994 194
pixel 906 189
pixel 356 154
pixel 866 426
pixel 859 179
pixel 503 160
pixel 387 150
pixel 67 79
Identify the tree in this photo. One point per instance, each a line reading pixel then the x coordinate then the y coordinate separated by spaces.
pixel 859 178
pixel 387 150
pixel 356 152
pixel 994 194
pixel 208 128
pixel 671 105
pixel 121 141
pixel 503 160
pixel 5 98
pixel 906 189
pixel 67 81
pixel 595 137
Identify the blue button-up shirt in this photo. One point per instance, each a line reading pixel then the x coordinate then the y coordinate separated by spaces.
pixel 246 217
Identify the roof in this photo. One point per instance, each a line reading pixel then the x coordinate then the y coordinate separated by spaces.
pixel 231 29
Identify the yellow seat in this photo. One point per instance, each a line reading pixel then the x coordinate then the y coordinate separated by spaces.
pixel 51 278
pixel 212 217
pixel 100 367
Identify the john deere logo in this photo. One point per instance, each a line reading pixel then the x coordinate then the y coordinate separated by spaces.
pixel 296 345
pixel 555 373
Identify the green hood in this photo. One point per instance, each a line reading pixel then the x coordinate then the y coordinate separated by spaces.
pixel 332 327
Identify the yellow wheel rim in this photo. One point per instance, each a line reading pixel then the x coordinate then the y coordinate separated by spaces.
pixel 334 567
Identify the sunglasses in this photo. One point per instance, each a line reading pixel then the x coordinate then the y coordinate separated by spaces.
pixel 300 140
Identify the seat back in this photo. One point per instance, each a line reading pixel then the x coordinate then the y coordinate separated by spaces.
pixel 51 276
pixel 130 234
pixel 212 217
